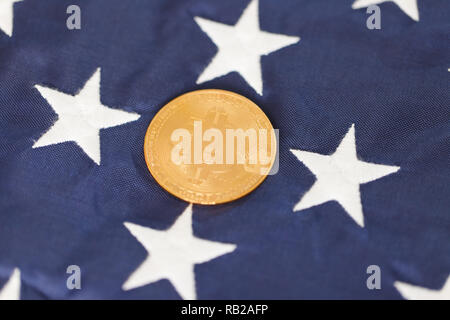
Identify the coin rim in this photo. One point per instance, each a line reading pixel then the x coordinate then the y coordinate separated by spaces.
pixel 191 200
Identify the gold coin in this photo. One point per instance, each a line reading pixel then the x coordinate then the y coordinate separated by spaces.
pixel 200 147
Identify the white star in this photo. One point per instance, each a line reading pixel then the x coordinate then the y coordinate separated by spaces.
pixel 173 254
pixel 6 15
pixel 81 117
pixel 411 292
pixel 241 47
pixel 408 6
pixel 11 290
pixel 338 177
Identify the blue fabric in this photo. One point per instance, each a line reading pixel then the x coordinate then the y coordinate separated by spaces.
pixel 57 207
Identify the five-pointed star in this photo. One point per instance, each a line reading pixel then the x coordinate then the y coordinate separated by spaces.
pixel 411 292
pixel 241 47
pixel 338 177
pixel 81 117
pixel 11 290
pixel 173 254
pixel 6 15
pixel 408 6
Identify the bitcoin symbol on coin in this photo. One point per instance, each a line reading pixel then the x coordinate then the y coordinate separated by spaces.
pixel 210 146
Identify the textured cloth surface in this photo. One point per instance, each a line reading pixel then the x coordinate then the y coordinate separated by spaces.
pixel 60 208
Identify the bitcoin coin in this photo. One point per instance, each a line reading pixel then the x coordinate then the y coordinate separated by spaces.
pixel 200 147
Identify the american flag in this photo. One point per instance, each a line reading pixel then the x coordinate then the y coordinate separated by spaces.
pixel 360 207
